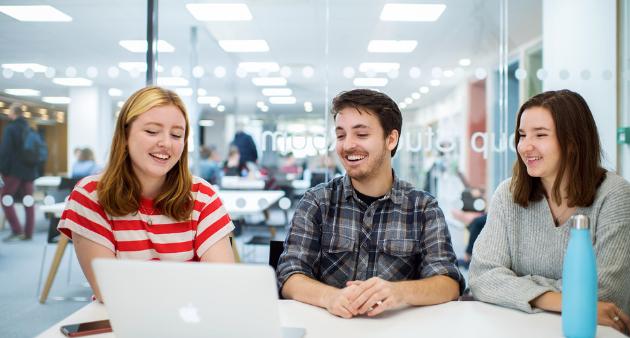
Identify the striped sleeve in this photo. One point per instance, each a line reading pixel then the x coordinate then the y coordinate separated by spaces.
pixel 83 215
pixel 214 222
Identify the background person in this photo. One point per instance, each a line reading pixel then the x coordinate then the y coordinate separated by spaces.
pixel 18 176
pixel 517 259
pixel 146 205
pixel 85 164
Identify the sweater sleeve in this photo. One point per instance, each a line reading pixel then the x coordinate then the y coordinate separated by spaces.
pixel 612 247
pixel 491 277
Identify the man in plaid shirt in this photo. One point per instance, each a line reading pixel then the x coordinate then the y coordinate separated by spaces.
pixel 368 242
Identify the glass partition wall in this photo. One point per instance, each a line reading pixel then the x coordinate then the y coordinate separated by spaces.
pixel 268 70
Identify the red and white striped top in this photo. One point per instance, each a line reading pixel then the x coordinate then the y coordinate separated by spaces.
pixel 147 235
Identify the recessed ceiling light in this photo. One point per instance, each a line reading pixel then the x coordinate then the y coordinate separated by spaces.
pixel 424 89
pixel 172 81
pixel 269 81
pixel 211 100
pixel 35 13
pixel 114 92
pixel 244 46
pixel 282 100
pixel 255 67
pixel 206 123
pixel 378 67
pixel 392 46
pixel 56 99
pixel 140 46
pixel 72 81
pixel 22 67
pixel 370 81
pixel 464 62
pixel 277 91
pixel 221 108
pixel 448 73
pixel 412 12
pixel 187 91
pixel 220 12
pixel 133 66
pixel 22 92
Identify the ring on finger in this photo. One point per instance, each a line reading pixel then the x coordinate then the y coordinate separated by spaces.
pixel 616 318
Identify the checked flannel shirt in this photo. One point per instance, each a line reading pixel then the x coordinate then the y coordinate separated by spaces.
pixel 335 237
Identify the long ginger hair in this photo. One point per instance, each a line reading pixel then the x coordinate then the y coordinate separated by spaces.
pixel 119 189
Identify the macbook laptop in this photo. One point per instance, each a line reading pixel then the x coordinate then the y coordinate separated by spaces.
pixel 169 299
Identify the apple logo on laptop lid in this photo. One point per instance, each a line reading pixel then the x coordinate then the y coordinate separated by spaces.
pixel 189 313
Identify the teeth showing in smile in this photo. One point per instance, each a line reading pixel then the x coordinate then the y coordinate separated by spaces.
pixel 535 158
pixel 161 156
pixel 355 157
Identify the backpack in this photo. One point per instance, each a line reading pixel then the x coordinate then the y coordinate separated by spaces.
pixel 34 149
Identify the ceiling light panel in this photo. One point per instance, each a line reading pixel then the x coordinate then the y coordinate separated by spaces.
pixel 72 81
pixel 282 100
pixel 220 12
pixel 244 46
pixel 172 81
pixel 255 67
pixel 22 92
pixel 412 12
pixel 269 81
pixel 35 13
pixel 277 91
pixel 56 99
pixel 378 67
pixel 22 67
pixel 370 82
pixel 140 46
pixel 392 46
pixel 211 100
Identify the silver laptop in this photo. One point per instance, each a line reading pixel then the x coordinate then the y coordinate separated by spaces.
pixel 168 299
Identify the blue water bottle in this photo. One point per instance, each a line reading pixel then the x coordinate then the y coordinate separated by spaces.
pixel 579 282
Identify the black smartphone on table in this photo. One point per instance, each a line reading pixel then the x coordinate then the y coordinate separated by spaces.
pixel 85 329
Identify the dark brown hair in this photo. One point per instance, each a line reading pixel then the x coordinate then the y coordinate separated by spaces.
pixel 580 159
pixel 374 102
pixel 119 189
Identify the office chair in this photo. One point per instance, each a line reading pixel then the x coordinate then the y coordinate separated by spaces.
pixel 275 250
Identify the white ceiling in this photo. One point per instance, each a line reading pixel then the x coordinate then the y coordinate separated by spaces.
pixel 294 29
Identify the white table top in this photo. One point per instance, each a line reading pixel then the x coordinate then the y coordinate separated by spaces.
pixel 47 181
pixel 241 183
pixel 237 203
pixel 453 319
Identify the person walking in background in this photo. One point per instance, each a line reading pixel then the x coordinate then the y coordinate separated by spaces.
pixel 19 169
pixel 210 165
pixel 85 165
pixel 146 205
pixel 517 259
pixel 246 147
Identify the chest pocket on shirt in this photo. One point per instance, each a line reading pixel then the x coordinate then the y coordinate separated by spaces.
pixel 400 247
pixel 398 259
pixel 336 243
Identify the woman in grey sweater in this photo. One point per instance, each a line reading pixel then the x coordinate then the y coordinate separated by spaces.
pixel 517 259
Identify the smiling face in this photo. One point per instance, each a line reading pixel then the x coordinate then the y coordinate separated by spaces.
pixel 155 142
pixel 538 144
pixel 362 146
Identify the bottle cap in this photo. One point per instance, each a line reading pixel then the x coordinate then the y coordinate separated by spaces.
pixel 579 222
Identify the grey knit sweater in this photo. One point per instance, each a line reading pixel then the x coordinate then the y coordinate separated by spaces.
pixel 518 255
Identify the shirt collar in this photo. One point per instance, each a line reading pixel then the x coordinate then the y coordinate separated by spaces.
pixel 396 194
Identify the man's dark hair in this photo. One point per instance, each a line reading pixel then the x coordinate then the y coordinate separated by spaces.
pixel 371 101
